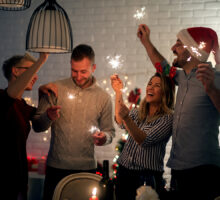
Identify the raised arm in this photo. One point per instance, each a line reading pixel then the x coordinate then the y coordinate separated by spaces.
pixel 17 87
pixel 143 34
pixel 117 86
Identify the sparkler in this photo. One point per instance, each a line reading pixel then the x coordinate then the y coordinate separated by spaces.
pixel 188 59
pixel 94 129
pixel 202 45
pixel 195 50
pixel 139 13
pixel 115 62
pixel 70 96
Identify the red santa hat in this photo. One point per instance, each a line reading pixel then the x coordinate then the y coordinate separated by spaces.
pixel 200 41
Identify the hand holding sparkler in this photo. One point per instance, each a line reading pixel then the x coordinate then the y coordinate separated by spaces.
pixel 47 89
pixel 116 83
pixel 206 75
pixel 53 112
pixel 99 138
pixel 143 33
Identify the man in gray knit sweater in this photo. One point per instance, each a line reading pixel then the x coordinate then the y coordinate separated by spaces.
pixel 80 105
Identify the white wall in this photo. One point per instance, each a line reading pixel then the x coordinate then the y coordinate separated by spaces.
pixel 109 26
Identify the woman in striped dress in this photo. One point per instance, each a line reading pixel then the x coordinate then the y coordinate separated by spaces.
pixel 149 128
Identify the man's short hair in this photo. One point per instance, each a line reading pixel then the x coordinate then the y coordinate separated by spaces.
pixel 83 51
pixel 13 61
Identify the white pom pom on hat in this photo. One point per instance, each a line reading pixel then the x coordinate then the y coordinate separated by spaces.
pixel 200 41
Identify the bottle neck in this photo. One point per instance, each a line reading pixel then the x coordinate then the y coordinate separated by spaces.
pixel 106 169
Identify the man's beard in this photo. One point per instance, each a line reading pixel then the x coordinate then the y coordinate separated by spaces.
pixel 88 80
pixel 181 61
pixel 176 63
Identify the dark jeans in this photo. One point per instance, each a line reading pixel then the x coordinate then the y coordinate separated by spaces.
pixel 52 178
pixel 128 181
pixel 201 183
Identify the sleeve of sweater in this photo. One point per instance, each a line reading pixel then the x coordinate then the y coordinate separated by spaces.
pixel 41 121
pixel 106 121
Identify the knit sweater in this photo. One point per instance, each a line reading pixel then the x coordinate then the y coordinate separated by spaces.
pixel 71 145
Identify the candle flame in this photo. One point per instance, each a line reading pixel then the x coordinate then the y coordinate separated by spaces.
pixel 94 191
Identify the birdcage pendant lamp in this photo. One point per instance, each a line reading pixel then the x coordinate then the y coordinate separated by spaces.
pixel 14 5
pixel 49 29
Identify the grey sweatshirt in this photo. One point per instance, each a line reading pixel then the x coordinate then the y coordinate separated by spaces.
pixel 71 145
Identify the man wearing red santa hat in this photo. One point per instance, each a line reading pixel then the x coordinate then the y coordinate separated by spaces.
pixel 195 153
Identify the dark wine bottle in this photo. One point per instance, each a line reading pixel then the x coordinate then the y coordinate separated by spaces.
pixel 106 184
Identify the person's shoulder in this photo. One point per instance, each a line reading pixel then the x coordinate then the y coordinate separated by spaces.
pixel 169 116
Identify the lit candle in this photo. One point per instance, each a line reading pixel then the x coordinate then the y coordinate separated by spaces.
pixel 94 197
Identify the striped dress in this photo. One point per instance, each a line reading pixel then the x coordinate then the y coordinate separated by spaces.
pixel 150 154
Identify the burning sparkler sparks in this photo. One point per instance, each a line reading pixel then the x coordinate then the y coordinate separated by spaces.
pixel 115 62
pixel 70 96
pixel 195 50
pixel 94 129
pixel 202 45
pixel 140 13
pixel 188 59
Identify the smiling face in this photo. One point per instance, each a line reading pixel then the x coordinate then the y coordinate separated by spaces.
pixel 182 54
pixel 154 91
pixel 82 72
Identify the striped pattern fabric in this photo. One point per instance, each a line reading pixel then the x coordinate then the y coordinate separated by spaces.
pixel 150 154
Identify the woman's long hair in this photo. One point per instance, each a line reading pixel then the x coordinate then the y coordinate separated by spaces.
pixel 167 101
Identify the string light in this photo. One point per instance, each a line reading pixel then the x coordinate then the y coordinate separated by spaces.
pixel 115 158
pixel 124 136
